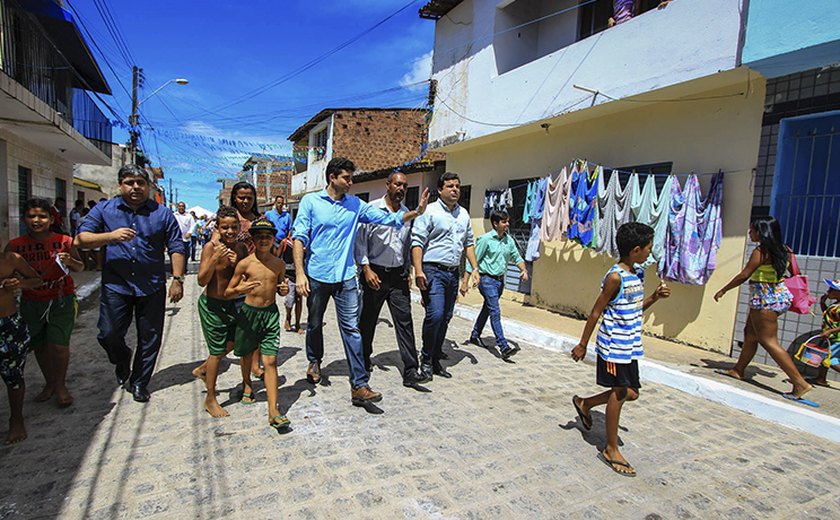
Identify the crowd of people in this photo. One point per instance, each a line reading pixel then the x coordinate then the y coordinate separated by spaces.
pixel 338 247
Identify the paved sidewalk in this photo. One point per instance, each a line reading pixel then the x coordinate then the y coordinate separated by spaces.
pixel 500 440
pixel 764 380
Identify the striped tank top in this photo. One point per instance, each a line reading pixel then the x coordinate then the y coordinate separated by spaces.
pixel 620 335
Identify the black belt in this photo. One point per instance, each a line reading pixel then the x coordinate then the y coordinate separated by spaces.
pixel 400 269
pixel 447 268
pixel 500 278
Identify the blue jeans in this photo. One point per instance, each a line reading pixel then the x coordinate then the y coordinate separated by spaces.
pixel 439 298
pixel 491 289
pixel 116 311
pixel 346 298
pixel 193 247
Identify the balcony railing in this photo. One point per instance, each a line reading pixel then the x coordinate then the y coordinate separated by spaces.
pixel 28 57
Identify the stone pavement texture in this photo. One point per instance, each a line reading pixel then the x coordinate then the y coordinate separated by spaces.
pixel 500 440
pixel 765 380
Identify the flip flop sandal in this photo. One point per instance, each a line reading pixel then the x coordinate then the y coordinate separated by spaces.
pixel 801 400
pixel 281 424
pixel 615 464
pixel 248 398
pixel 585 420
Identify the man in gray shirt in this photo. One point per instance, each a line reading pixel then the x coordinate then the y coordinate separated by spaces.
pixel 383 254
pixel 438 240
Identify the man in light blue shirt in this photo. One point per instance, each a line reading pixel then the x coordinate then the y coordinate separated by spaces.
pixel 281 220
pixel 438 240
pixel 326 227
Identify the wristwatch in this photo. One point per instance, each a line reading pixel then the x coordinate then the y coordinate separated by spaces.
pixel 178 278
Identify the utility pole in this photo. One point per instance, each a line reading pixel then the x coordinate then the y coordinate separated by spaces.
pixel 133 119
pixel 171 201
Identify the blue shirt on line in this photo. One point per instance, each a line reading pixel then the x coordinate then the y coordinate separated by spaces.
pixel 135 267
pixel 282 221
pixel 327 229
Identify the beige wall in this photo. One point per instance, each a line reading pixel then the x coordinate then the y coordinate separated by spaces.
pixel 46 167
pixel 698 135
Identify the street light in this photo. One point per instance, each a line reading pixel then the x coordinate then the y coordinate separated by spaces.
pixel 133 120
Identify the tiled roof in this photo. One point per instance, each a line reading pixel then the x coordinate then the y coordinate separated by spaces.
pixel 437 9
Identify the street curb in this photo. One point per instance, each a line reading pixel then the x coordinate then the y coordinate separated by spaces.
pixel 84 291
pixel 781 413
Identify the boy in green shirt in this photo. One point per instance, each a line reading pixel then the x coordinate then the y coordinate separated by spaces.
pixel 494 250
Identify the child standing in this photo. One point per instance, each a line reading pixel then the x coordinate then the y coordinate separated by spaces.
pixel 49 310
pixel 293 300
pixel 261 276
pixel 14 337
pixel 830 329
pixel 619 342
pixel 216 311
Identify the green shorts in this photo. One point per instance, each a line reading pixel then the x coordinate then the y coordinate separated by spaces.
pixel 50 322
pixel 257 327
pixel 218 322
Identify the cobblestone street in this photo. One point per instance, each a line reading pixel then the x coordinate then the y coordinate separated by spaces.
pixel 499 440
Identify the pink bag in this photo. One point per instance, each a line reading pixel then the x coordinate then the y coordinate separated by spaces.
pixel 798 287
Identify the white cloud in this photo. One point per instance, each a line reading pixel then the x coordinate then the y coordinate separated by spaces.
pixel 421 70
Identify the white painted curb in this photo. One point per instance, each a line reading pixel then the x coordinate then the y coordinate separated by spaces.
pixel 785 414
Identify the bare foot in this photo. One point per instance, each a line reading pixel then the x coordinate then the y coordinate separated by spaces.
pixel 45 395
pixel 618 463
pixel 64 397
pixel 17 432
pixel 798 392
pixel 258 375
pixel 214 408
pixel 288 327
pixel 300 330
pixel 199 372
pixel 731 373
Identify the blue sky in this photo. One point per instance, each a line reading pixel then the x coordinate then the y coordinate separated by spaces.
pixel 227 49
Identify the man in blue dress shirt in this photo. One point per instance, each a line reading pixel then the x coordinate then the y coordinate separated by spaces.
pixel 281 220
pixel 326 227
pixel 136 230
pixel 438 240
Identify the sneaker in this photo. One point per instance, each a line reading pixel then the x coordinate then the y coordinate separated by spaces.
pixel 363 395
pixel 313 373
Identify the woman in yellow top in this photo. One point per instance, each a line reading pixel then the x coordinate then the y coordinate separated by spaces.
pixel 769 297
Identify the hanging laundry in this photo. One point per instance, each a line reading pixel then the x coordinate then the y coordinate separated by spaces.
pixel 583 207
pixel 491 201
pixel 614 211
pixel 694 232
pixel 555 221
pixel 538 207
pixel 506 199
pixel 532 251
pixel 529 202
pixel 650 209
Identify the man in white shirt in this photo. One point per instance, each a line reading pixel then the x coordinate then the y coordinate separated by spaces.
pixel 186 223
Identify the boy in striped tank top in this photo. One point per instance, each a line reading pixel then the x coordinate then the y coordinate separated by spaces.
pixel 622 303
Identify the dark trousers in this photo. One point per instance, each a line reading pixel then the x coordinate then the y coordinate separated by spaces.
pixel 439 298
pixel 115 313
pixel 393 288
pixel 193 247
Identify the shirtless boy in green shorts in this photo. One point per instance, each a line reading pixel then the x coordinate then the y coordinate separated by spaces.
pixel 15 274
pixel 216 311
pixel 261 276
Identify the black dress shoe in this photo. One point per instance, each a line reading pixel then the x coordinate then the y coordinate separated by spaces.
pixel 140 394
pixel 123 372
pixel 477 342
pixel 412 378
pixel 507 354
pixel 438 370
pixel 425 373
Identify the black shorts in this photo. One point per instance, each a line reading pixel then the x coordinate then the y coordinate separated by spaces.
pixel 618 374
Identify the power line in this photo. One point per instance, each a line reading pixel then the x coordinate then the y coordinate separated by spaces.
pixel 255 92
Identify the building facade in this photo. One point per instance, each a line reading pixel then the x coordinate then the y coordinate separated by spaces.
pixel 663 92
pixel 48 117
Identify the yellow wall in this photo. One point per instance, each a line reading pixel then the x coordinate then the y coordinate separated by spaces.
pixel 696 135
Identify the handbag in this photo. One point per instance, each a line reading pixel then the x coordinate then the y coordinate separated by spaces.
pixel 813 352
pixel 798 287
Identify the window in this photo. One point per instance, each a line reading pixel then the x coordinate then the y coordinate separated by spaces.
pixel 61 190
pixel 521 39
pixel 319 143
pixel 80 195
pixel 595 17
pixel 24 192
pixel 412 197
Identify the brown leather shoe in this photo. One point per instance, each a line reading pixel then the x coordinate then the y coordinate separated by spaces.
pixel 313 373
pixel 363 394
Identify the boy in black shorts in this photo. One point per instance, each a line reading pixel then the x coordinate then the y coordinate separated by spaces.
pixel 619 342
pixel 15 274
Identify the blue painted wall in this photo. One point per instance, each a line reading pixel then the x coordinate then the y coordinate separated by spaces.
pixel 786 36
